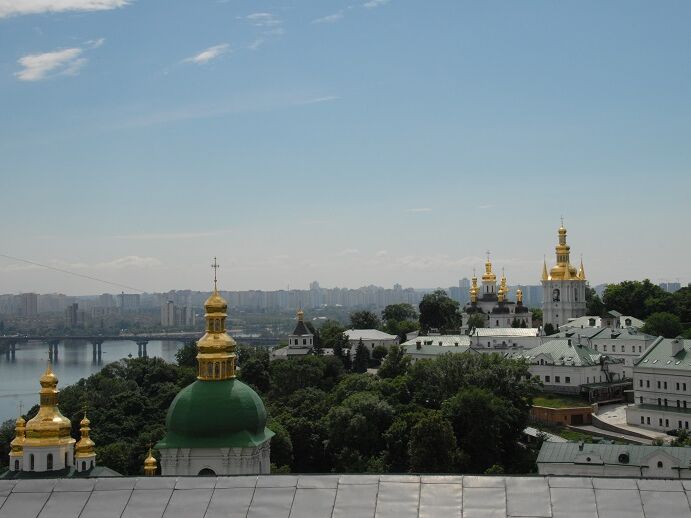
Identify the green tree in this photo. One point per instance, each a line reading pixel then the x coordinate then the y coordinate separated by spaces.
pixel 633 297
pixel 395 363
pixel 186 356
pixel 364 320
pixel 663 324
pixel 432 445
pixel 331 334
pixel 379 353
pixel 293 374
pixel 537 316
pixel 281 445
pixel 399 312
pixel 476 320
pixel 6 437
pixel 549 329
pixel 361 358
pixel 593 303
pixel 256 373
pixel 438 310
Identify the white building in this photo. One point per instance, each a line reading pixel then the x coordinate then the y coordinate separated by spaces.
pixel 563 288
pixel 300 342
pixel 493 303
pixel 566 367
pixel 577 459
pixel 613 319
pixel 662 387
pixel 371 338
pixel 503 339
pixel 428 350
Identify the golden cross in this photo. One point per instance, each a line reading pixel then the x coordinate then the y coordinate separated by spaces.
pixel 215 266
pixel 487 255
pixel 21 407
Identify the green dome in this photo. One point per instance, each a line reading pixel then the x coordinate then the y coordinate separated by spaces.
pixel 216 414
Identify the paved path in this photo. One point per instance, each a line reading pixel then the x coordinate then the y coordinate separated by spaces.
pixel 608 434
pixel 615 415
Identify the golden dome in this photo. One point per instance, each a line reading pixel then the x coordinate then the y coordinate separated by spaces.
pixel 150 464
pixel 85 446
pixel 563 269
pixel 300 315
pixel 519 296
pixel 215 303
pixel 17 444
pixel 49 426
pixel 488 276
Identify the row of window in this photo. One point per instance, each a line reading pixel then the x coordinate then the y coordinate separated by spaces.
pixel 297 340
pixel 662 385
pixel 646 420
pixel 623 348
pixel 557 379
pixel 49 463
pixel 660 401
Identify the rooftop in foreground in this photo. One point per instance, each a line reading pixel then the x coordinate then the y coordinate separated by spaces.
pixel 316 496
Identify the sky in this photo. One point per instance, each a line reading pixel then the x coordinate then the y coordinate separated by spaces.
pixel 348 142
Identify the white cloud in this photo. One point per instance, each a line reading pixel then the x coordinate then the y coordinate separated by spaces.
pixel 419 209
pixel 263 20
pixel 94 44
pixel 19 7
pixel 48 64
pixel 207 55
pixel 375 3
pixel 315 100
pixel 256 44
pixel 381 253
pixel 130 261
pixel 332 18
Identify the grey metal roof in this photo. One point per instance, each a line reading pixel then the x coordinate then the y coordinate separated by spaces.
pixel 563 352
pixel 440 340
pixel 344 496
pixel 368 334
pixel 637 454
pixel 660 355
pixel 505 331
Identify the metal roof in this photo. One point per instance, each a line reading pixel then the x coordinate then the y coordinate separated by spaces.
pixel 435 350
pixel 505 331
pixel 563 352
pixel 341 496
pixel 440 340
pixel 659 355
pixel 368 334
pixel 636 454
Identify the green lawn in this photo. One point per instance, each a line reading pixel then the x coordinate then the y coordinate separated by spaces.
pixel 553 401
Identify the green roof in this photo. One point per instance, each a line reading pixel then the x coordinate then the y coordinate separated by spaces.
pixel 563 352
pixel 216 414
pixel 565 453
pixel 659 355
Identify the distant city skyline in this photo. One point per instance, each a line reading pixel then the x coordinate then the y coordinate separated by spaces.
pixel 356 143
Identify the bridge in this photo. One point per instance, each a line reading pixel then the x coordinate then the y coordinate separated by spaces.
pixel 8 343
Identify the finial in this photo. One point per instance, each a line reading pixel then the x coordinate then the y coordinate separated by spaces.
pixel 215 266
pixel 474 274
pixel 21 407
pixel 562 221
pixel 488 256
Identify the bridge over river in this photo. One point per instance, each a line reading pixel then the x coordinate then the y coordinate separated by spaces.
pixel 8 343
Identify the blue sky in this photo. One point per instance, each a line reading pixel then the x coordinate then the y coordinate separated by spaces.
pixel 347 142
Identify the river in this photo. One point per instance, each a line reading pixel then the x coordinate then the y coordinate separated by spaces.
pixel 19 377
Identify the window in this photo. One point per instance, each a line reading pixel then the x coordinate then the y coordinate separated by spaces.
pixel 647 420
pixel 686 425
pixel 665 401
pixel 304 341
pixel 679 427
pixel 659 464
pixel 49 462
pixel 622 348
pixel 546 379
pixel 556 379
pixel 667 423
pixel 639 348
pixel 31 462
pixel 683 387
pixel 665 385
pixel 660 422
pixel 66 463
pixel 83 466
pixel 567 380
pixel 659 402
pixel 640 383
pixel 16 465
pixel 677 386
pixel 497 323
pixel 684 404
pixel 604 348
pixel 641 400
pixel 642 420
pixel 647 383
pixel 633 348
pixel 678 404
pixel 658 384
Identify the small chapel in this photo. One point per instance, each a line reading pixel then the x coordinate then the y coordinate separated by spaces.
pixel 216 425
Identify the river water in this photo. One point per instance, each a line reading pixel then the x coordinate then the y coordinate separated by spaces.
pixel 19 377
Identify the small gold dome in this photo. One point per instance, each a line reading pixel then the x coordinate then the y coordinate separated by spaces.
pixel 301 315
pixel 150 465
pixel 49 426
pixel 215 303
pixel 49 379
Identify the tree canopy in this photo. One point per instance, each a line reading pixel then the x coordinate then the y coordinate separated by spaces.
pixel 439 311
pixel 364 320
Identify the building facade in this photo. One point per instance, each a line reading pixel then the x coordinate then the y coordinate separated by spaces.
pixel 563 288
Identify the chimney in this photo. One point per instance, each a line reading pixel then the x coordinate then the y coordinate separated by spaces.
pixel 418 344
pixel 677 346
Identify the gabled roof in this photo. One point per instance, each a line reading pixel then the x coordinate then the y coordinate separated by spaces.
pixel 660 355
pixel 435 350
pixel 301 329
pixel 440 340
pixel 564 352
pixel 368 334
pixel 505 331
pixel 610 454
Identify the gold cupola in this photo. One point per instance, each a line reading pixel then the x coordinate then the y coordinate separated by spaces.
pixel 17 444
pixel 563 269
pixel 581 271
pixel 216 349
pixel 49 427
pixel 545 275
pixel 474 289
pixel 519 296
pixel 489 275
pixel 85 446
pixel 150 465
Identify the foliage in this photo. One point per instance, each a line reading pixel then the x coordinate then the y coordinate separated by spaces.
pixel 537 316
pixel 438 310
pixel 395 364
pixel 432 445
pixel 593 303
pixel 475 321
pixel 379 353
pixel 550 329
pixel 641 299
pixel 400 319
pixel 662 323
pixel 186 356
pixel 6 436
pixel 362 356
pixel 364 320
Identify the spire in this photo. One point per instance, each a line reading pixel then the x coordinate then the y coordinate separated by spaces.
pixel 150 464
pixel 563 269
pixel 545 277
pixel 473 289
pixel 85 446
pixel 581 270
pixel 216 349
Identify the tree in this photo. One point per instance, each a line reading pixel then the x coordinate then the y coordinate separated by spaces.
pixel 395 363
pixel 379 353
pixel 593 303
pixel 549 329
pixel 634 297
pixel 364 320
pixel 475 321
pixel 361 358
pixel 663 324
pixel 398 313
pixel 432 445
pixel 331 333
pixel 256 373
pixel 186 356
pixel 537 316
pixel 438 310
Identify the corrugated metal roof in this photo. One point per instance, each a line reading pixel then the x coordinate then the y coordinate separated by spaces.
pixel 368 334
pixel 563 352
pixel 505 331
pixel 337 496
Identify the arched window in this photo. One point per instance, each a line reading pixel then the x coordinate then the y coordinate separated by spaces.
pixel 209 369
pixel 92 463
pixel 659 464
pixel 83 466
pixel 49 462
pixel 16 465
pixel 217 370
pixel 206 472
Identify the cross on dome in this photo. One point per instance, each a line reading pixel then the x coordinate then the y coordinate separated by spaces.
pixel 215 266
